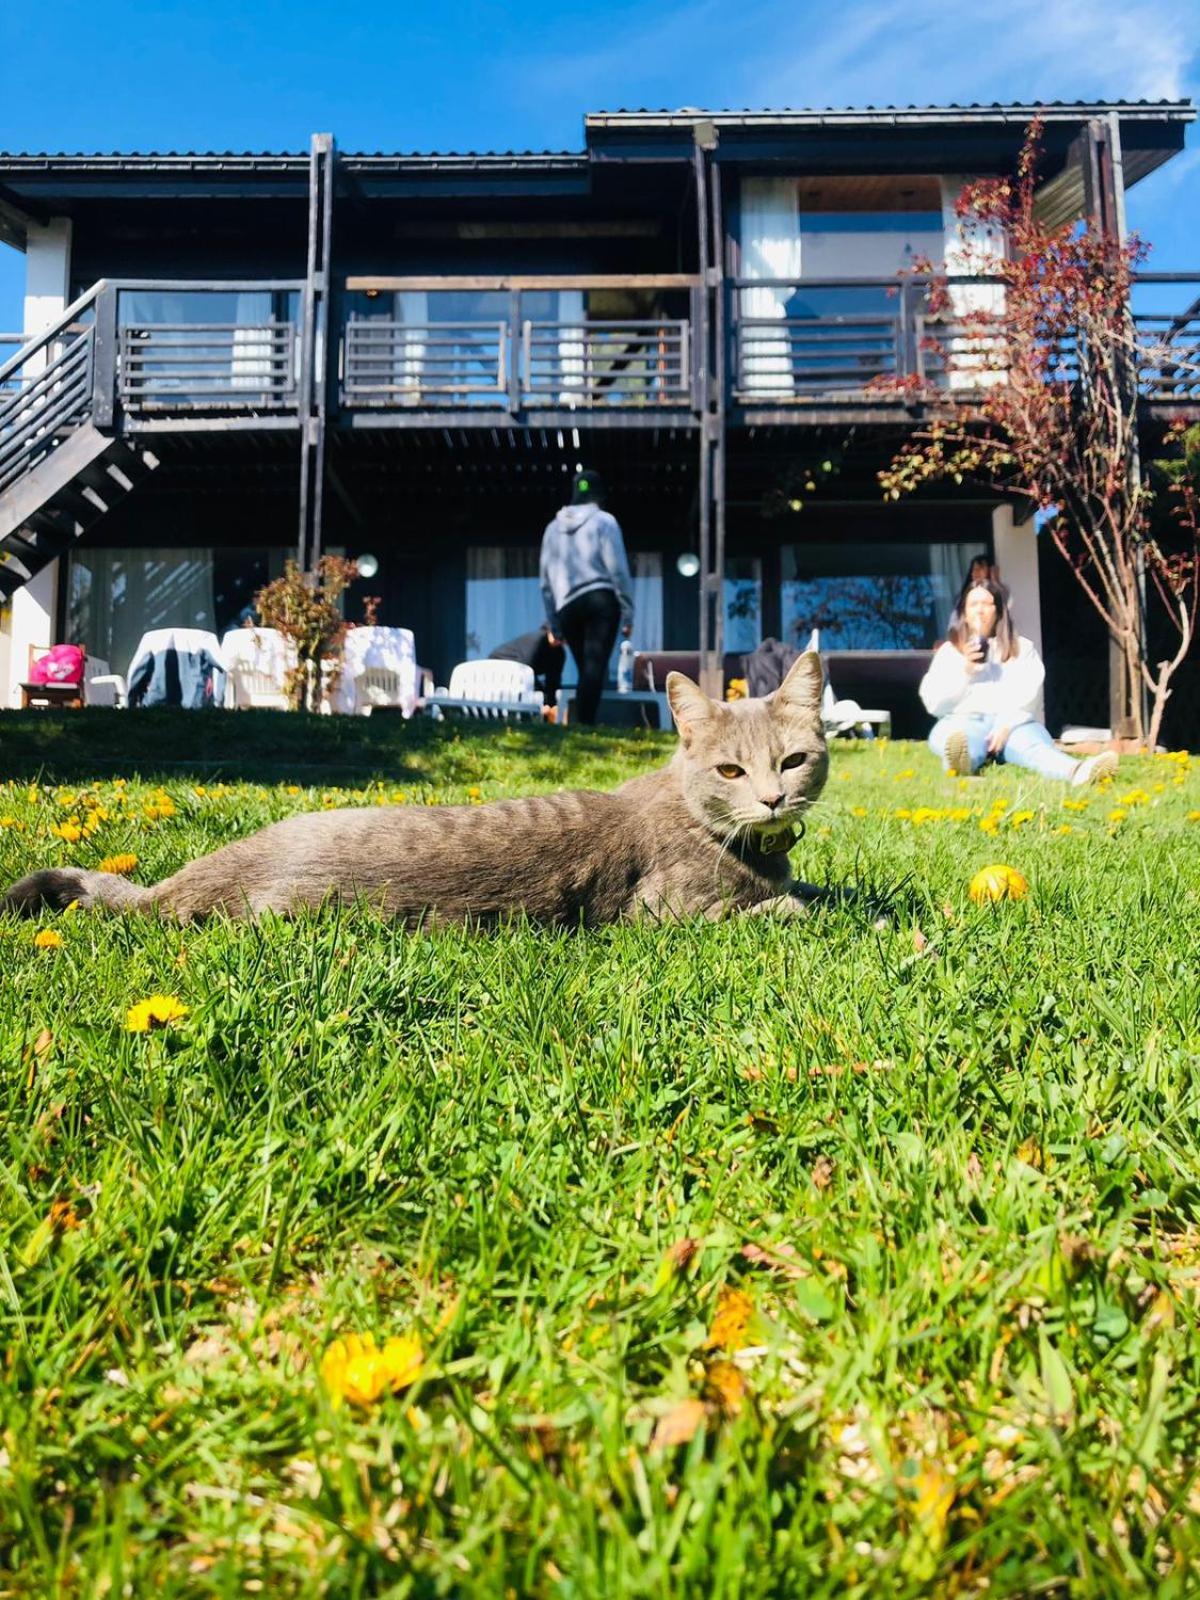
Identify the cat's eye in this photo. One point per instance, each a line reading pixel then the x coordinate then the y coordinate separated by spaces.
pixel 796 759
pixel 730 769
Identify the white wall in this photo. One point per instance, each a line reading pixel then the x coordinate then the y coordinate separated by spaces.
pixel 1015 547
pixel 30 618
pixel 47 273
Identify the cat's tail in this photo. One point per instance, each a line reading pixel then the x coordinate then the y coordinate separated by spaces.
pixel 55 888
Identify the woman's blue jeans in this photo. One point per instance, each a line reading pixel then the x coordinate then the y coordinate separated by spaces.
pixel 1028 745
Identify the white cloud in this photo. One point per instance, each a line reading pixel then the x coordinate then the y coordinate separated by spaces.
pixel 777 52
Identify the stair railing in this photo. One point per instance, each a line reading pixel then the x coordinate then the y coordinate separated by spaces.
pixel 46 388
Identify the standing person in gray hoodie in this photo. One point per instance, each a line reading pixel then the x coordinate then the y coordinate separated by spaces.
pixel 586 586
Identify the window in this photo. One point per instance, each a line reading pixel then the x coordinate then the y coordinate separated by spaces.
pixel 743 604
pixel 504 598
pixel 871 596
pixel 115 596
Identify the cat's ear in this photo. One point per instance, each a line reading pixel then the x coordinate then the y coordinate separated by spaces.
pixel 801 691
pixel 689 704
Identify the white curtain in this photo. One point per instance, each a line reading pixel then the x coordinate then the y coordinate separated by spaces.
pixel 118 595
pixel 504 598
pixel 971 248
pixel 572 345
pixel 770 249
pixel 251 362
pixel 412 311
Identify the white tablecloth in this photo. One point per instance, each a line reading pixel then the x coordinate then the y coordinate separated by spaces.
pixel 390 649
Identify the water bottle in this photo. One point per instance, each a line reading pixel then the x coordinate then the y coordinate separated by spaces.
pixel 625 667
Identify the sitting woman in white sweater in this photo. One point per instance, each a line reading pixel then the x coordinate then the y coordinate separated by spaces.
pixel 983 687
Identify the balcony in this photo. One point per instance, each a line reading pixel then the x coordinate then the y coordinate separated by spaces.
pixel 832 346
pixel 408 348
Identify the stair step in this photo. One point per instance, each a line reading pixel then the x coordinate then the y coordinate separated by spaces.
pixel 129 461
pixel 76 505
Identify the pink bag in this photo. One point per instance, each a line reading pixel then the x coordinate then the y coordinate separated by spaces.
pixel 62 664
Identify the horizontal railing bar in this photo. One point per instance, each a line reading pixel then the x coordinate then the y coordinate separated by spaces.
pixel 153 330
pixel 152 362
pixel 207 285
pixel 60 371
pixel 39 341
pixel 500 284
pixel 54 417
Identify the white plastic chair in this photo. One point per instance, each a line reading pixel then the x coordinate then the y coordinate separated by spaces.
pixel 489 689
pixel 846 716
pixel 257 660
pixel 377 686
pixel 184 640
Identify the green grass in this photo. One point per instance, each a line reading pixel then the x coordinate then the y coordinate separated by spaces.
pixel 967 1146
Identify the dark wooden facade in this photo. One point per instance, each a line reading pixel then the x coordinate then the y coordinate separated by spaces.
pixel 324 424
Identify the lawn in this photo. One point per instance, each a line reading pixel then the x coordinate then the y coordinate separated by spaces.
pixel 744 1259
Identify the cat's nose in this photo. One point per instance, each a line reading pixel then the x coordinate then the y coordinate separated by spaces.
pixel 771 800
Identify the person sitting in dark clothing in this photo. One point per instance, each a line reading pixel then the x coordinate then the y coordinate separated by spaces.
pixel 543 651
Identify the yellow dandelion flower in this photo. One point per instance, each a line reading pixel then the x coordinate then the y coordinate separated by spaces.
pixel 1117 815
pixel 355 1369
pixel 731 1320
pixel 989 825
pixel 12 822
pixel 121 865
pixel 907 773
pixel 70 831
pixel 1063 827
pixel 292 788
pixel 474 792
pixel 855 811
pixel 159 1011
pixel 1019 817
pixel 48 939
pixel 1193 816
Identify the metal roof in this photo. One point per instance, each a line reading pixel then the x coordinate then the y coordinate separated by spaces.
pixel 269 161
pixel 855 116
pixel 289 161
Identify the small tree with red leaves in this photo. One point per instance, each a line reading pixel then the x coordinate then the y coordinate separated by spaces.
pixel 304 607
pixel 1038 400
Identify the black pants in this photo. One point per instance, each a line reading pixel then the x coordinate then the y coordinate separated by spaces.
pixel 589 624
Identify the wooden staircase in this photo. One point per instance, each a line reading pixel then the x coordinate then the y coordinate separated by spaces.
pixel 59 471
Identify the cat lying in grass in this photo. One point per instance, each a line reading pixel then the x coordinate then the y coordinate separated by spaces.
pixel 707 835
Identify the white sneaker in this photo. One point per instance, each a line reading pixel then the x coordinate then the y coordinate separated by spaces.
pixel 957 755
pixel 1094 768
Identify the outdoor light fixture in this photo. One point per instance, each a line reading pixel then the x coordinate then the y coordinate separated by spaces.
pixel 368 565
pixel 688 564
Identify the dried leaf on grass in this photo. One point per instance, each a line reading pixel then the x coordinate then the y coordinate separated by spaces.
pixel 679 1425
pixel 837 1069
pixel 779 1258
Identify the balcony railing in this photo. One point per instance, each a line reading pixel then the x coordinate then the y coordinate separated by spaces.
pixel 211 366
pixel 838 351
pixel 1166 314
pixel 425 364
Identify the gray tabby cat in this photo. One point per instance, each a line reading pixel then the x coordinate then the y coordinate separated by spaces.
pixel 707 835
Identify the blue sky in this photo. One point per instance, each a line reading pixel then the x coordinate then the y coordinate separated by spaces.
pixel 472 74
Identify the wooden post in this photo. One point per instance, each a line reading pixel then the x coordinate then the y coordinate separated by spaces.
pixel 318 351
pixel 711 542
pixel 104 359
pixel 1104 194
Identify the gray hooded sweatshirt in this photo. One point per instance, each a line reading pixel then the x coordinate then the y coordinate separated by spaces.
pixel 582 549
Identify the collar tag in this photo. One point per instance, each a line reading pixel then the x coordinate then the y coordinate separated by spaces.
pixel 779 839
